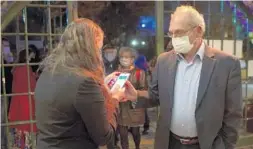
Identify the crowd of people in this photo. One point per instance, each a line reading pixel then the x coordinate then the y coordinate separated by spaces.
pixel 198 89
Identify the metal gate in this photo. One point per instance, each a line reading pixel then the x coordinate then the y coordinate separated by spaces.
pixel 229 27
pixel 39 23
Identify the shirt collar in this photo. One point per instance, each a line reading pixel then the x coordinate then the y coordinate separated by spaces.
pixel 200 52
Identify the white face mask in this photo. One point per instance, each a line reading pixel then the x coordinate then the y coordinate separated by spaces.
pixel 126 62
pixel 31 56
pixel 182 44
pixel 110 56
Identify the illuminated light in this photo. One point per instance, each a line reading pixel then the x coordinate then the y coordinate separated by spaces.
pixel 134 43
pixel 67 20
pixel 143 25
pixel 250 34
pixel 143 42
pixel 222 6
pixel 24 14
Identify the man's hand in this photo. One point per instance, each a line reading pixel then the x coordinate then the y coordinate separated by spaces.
pixel 130 92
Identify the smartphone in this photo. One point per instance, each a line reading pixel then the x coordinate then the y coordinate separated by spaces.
pixel 121 80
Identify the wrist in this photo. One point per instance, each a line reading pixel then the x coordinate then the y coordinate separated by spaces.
pixel 115 97
pixel 138 94
pixel 115 102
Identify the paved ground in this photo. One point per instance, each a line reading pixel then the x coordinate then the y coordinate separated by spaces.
pixel 147 141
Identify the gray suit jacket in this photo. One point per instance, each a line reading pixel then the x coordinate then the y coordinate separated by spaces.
pixel 219 102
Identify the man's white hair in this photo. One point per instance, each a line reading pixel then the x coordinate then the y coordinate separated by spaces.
pixel 196 19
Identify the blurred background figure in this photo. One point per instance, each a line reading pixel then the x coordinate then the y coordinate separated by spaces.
pixel 110 58
pixel 111 62
pixel 169 46
pixel 130 117
pixel 36 59
pixel 152 63
pixel 20 107
pixel 7 59
pixel 141 63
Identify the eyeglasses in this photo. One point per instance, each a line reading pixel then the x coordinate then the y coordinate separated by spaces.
pixel 180 33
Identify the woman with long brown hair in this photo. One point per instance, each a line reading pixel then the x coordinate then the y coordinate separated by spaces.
pixel 74 108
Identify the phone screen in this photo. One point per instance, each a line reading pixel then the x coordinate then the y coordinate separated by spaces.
pixel 122 77
pixel 121 80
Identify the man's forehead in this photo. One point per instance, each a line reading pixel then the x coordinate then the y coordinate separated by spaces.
pixel 126 54
pixel 178 21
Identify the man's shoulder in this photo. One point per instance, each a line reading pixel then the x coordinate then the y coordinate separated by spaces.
pixel 223 56
pixel 166 55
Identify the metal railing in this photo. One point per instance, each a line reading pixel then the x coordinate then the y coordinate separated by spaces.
pixel 49 22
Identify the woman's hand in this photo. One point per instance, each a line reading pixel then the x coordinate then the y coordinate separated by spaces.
pixel 118 93
pixel 110 77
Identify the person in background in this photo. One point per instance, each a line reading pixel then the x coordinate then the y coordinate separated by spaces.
pixel 74 107
pixel 152 64
pixel 110 58
pixel 20 107
pixel 129 116
pixel 7 59
pixel 169 46
pixel 36 59
pixel 198 89
pixel 141 63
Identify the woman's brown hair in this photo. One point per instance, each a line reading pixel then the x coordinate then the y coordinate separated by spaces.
pixel 78 50
pixel 22 55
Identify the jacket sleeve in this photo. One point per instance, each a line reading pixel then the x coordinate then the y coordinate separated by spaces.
pixel 153 85
pixel 233 107
pixel 152 92
pixel 90 104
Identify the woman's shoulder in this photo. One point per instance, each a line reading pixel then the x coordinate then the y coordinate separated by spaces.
pixel 62 83
pixel 63 78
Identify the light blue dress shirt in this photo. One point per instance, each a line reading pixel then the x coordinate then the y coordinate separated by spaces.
pixel 185 95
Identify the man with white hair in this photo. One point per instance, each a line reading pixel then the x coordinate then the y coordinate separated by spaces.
pixel 197 87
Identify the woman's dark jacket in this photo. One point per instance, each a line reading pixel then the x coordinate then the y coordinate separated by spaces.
pixel 71 113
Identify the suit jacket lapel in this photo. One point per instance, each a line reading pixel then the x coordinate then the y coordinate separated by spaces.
pixel 208 65
pixel 172 63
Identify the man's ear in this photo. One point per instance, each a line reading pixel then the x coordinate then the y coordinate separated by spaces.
pixel 200 31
